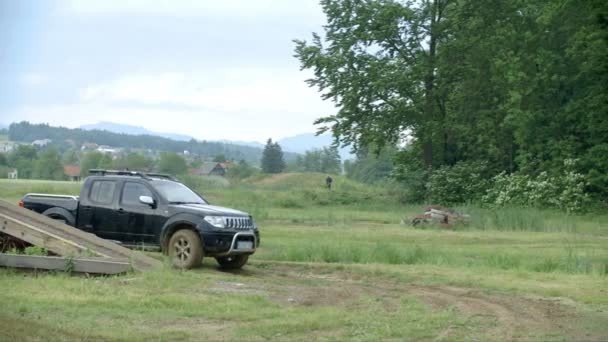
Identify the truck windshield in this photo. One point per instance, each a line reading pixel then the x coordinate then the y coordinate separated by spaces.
pixel 177 193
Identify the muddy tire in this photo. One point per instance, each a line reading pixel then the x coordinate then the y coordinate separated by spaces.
pixel 185 249
pixel 59 219
pixel 233 262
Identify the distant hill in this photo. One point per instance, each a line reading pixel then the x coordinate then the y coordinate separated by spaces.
pixel 244 143
pixel 309 141
pixel 26 132
pixel 133 130
pixel 297 144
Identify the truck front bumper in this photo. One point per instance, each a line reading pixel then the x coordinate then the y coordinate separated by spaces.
pixel 230 243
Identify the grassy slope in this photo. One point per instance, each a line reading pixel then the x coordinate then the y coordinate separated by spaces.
pixel 331 270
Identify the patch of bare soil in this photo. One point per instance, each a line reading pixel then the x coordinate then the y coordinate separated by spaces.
pixel 492 316
pixel 510 317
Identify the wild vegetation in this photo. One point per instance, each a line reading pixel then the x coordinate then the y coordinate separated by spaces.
pixel 498 109
pixel 340 264
pixel 474 87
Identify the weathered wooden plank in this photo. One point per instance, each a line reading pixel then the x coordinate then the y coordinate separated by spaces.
pixel 80 265
pixel 39 237
pixel 63 239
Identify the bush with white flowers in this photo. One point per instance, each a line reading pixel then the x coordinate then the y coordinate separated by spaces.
pixel 565 191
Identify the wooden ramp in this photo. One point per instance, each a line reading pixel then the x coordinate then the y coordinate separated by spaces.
pixel 65 240
pixel 94 265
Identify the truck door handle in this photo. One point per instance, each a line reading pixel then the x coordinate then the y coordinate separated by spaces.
pixel 86 207
pixel 121 211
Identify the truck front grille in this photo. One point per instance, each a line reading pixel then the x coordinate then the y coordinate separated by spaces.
pixel 239 223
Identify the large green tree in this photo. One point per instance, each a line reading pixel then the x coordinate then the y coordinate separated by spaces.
pixel 519 85
pixel 326 160
pixel 71 157
pixel 369 167
pixel 134 162
pixel 22 159
pixel 272 158
pixel 172 163
pixel 379 64
pixel 90 160
pixel 48 165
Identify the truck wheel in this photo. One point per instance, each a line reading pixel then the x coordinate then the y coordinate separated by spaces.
pixel 59 219
pixel 233 262
pixel 185 249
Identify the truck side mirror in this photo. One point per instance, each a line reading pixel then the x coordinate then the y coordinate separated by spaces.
pixel 147 200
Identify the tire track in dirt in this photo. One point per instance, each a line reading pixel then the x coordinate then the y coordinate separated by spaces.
pixel 471 303
pixel 487 315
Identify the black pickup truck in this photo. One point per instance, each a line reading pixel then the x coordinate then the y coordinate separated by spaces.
pixel 147 209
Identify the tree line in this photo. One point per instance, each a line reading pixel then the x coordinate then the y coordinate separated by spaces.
pixel 471 87
pixel 47 162
pixel 27 132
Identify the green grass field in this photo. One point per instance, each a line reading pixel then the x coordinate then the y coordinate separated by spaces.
pixel 339 265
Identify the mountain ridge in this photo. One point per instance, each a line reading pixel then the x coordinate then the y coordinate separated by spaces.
pixel 299 143
pixel 133 130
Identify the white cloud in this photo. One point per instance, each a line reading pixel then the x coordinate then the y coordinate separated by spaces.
pixel 217 96
pixel 236 104
pixel 234 91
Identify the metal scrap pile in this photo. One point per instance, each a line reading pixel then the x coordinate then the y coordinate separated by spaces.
pixel 437 215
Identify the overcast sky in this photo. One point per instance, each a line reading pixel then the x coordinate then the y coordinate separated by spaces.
pixel 208 68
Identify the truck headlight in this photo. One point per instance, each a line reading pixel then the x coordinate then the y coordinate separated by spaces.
pixel 216 221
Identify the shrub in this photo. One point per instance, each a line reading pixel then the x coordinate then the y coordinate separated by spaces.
pixel 413 176
pixel 460 183
pixel 564 191
pixel 241 170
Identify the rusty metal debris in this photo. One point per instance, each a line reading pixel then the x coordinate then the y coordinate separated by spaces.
pixel 440 216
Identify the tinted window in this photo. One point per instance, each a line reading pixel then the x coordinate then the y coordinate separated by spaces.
pixel 102 192
pixel 131 192
pixel 176 192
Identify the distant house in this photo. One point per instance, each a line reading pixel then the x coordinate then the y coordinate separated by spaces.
pixel 41 142
pixel 209 169
pixel 89 146
pixel 13 174
pixel 107 149
pixel 72 172
pixel 7 146
pixel 226 166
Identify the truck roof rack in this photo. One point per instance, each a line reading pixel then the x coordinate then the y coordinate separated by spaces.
pixel 145 175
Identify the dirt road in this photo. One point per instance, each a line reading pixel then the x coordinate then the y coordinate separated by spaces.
pixel 484 315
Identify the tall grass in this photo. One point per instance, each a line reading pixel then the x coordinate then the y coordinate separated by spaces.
pixel 12 190
pixel 303 198
pixel 570 260
pixel 532 219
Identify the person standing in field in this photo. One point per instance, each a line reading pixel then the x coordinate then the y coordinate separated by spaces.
pixel 328 182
